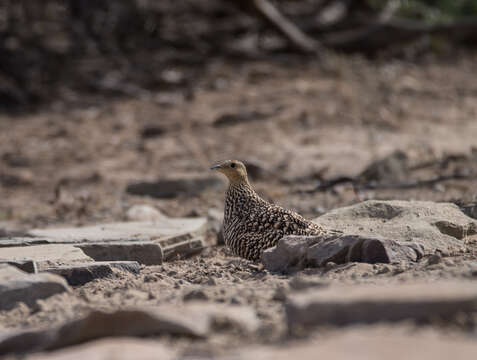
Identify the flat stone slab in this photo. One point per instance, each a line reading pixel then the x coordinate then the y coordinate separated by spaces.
pixel 58 253
pixel 118 349
pixel 365 343
pixel 17 286
pixel 196 320
pixel 80 274
pixel 166 229
pixel 144 252
pixel 342 305
pixel 28 266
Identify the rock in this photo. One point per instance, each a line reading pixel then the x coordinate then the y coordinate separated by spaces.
pixel 174 187
pixel 144 213
pixel 215 219
pixel 470 210
pixel 229 119
pixel 152 130
pixel 365 342
pixel 80 274
pixel 196 320
pixel 17 286
pixel 434 259
pixel 303 283
pixel 342 305
pixel 289 253
pixel 118 349
pixel 195 294
pixel 390 169
pixel 28 266
pixel 374 231
pixel 144 252
pixel 43 254
pixel 165 229
pixel 184 249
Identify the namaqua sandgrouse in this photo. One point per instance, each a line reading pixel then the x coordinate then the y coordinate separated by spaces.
pixel 252 224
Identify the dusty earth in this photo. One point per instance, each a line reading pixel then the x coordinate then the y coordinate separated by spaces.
pixel 298 124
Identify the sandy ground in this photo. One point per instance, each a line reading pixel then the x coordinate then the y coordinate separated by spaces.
pixel 298 123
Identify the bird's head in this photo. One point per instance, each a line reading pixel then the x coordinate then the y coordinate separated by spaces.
pixel 235 171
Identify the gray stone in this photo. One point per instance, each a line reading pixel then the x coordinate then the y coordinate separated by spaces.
pixel 215 219
pixel 289 253
pixel 396 230
pixel 196 320
pixel 144 252
pixel 195 294
pixel 144 213
pixel 58 253
pixel 17 286
pixel 80 274
pixel 470 210
pixel 166 229
pixel 174 187
pixel 28 266
pixel 107 349
pixel 365 343
pixel 341 305
pixel 184 249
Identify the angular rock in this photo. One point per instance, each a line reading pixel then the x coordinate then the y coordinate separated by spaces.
pixel 195 320
pixel 162 229
pixel 342 305
pixel 144 213
pixel 171 188
pixel 41 254
pixel 28 266
pixel 398 230
pixel 17 286
pixel 216 219
pixel 80 274
pixel 144 252
pixel 366 342
pixel 289 253
pixel 184 249
pixel 118 349
pixel 470 210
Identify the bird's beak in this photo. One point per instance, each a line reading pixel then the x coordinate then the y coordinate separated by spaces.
pixel 215 167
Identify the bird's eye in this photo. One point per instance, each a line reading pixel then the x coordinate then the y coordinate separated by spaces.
pixel 232 165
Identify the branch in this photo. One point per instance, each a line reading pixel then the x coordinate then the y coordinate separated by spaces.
pixel 299 39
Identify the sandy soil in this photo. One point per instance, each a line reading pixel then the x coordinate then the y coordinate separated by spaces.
pixel 298 123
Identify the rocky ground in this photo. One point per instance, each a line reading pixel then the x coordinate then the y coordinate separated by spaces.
pixel 315 140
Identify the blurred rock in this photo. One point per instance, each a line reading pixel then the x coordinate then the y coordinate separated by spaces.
pixel 144 252
pixel 118 349
pixel 303 283
pixel 365 342
pixel 229 119
pixel 152 131
pixel 174 187
pixel 17 286
pixel 28 266
pixel 390 169
pixel 470 210
pixel 195 294
pixel 215 219
pixel 144 213
pixel 196 320
pixel 343 305
pixel 80 274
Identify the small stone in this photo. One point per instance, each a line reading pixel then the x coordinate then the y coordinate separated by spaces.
pixel 195 294
pixel 144 252
pixel 17 286
pixel 80 274
pixel 211 281
pixel 434 259
pixel 144 213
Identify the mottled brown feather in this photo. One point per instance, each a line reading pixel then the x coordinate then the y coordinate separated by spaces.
pixel 252 224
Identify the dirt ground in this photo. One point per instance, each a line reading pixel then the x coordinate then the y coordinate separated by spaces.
pixel 298 123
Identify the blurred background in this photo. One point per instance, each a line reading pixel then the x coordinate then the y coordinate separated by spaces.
pixel 107 104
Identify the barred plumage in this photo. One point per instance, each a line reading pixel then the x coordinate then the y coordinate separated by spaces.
pixel 252 224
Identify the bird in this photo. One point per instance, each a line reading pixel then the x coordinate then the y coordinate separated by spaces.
pixel 252 224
